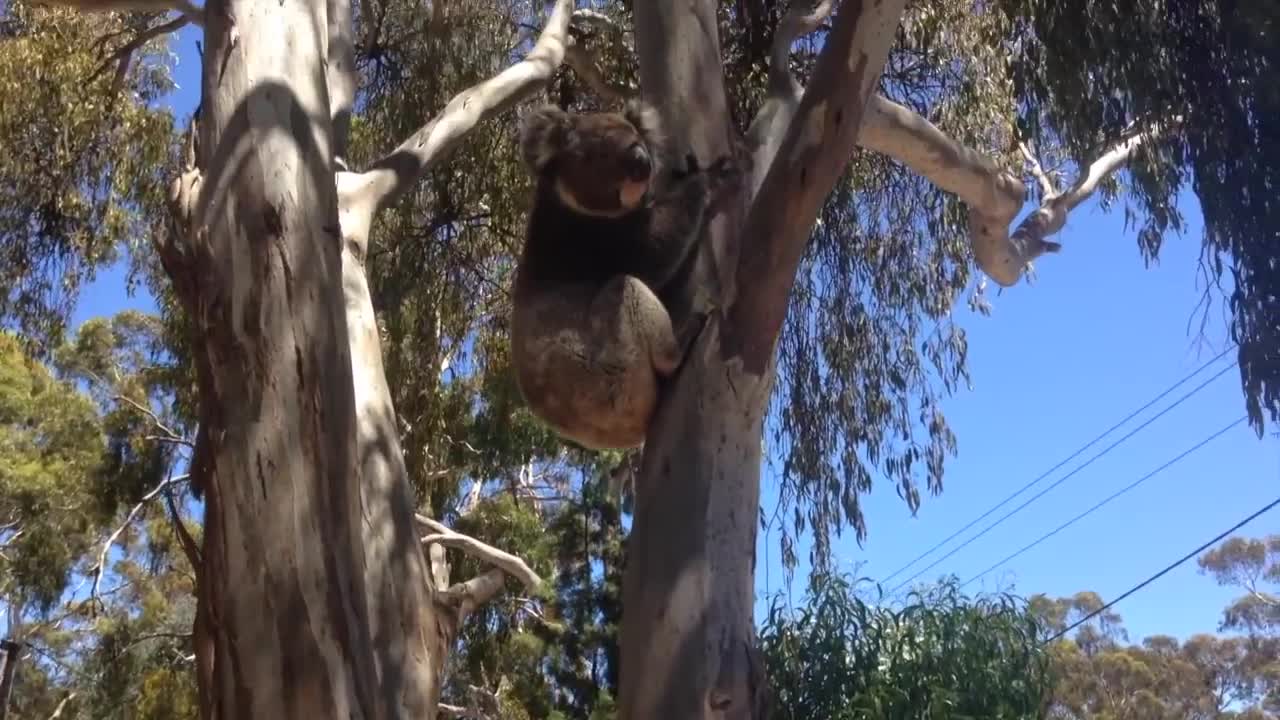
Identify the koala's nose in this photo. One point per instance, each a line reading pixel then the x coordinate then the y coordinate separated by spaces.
pixel 638 165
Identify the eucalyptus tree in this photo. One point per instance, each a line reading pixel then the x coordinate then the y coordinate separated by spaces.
pixel 309 510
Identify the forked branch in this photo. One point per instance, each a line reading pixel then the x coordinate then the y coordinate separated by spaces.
pixel 814 150
pixel 508 563
pixel 770 123
pixel 393 175
pixel 100 566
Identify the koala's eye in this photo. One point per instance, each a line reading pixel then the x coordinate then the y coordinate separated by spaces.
pixel 638 164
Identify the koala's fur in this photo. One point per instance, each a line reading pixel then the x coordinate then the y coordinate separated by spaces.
pixel 611 236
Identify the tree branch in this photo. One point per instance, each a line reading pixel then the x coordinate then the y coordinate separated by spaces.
pixel 57 711
pixel 1047 188
pixel 813 152
pixel 340 75
pixel 767 129
pixel 188 9
pixel 111 539
pixel 155 419
pixel 125 53
pixel 1029 239
pixel 477 591
pixel 509 563
pixel 393 175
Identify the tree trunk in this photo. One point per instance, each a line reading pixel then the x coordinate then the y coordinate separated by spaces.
pixel 9 650
pixel 688 638
pixel 283 593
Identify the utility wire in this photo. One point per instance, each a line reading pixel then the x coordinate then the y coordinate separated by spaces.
pixel 1066 460
pixel 1058 482
pixel 1113 496
pixel 1158 575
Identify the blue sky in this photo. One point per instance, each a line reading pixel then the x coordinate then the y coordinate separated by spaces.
pixel 1096 337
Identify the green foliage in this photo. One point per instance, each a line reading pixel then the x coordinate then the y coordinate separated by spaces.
pixel 81 151
pixel 942 655
pixel 1251 565
pixel 50 445
pixel 1100 677
pixel 77 456
pixel 1086 72
pixel 554 655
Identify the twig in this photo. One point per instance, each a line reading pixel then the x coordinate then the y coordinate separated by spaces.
pixel 111 539
pixel 1046 185
pixel 155 419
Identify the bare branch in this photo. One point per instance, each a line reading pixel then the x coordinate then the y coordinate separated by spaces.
pixel 813 152
pixel 111 539
pixel 155 419
pixel 477 591
pixel 124 54
pixel 340 75
pixel 1028 240
pixel 510 564
pixel 994 196
pixel 396 173
pixel 57 712
pixel 1047 188
pixel 457 711
pixel 771 122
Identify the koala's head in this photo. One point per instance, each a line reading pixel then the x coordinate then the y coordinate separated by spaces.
pixel 600 164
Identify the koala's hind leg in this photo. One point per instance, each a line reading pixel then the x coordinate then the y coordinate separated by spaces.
pixel 628 322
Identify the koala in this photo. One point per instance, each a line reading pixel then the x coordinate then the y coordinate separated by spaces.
pixel 598 319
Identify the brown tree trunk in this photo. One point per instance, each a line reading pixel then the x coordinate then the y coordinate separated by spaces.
pixel 283 579
pixel 9 650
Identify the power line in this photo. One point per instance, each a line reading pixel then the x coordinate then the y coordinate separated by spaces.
pixel 1066 460
pixel 1059 481
pixel 1160 574
pixel 1111 497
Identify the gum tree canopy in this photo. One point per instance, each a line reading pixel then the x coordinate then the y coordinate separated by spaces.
pixel 886 144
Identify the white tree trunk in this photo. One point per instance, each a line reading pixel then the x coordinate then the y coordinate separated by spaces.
pixel 688 639
pixel 284 626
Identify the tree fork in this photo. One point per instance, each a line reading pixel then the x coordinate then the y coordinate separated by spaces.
pixel 688 639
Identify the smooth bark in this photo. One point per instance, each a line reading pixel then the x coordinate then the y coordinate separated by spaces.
pixel 284 621
pixel 688 641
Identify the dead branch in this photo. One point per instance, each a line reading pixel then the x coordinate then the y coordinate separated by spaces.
pixel 815 149
pixel 99 567
pixel 510 564
pixel 395 174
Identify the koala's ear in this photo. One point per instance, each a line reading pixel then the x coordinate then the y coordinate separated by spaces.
pixel 544 132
